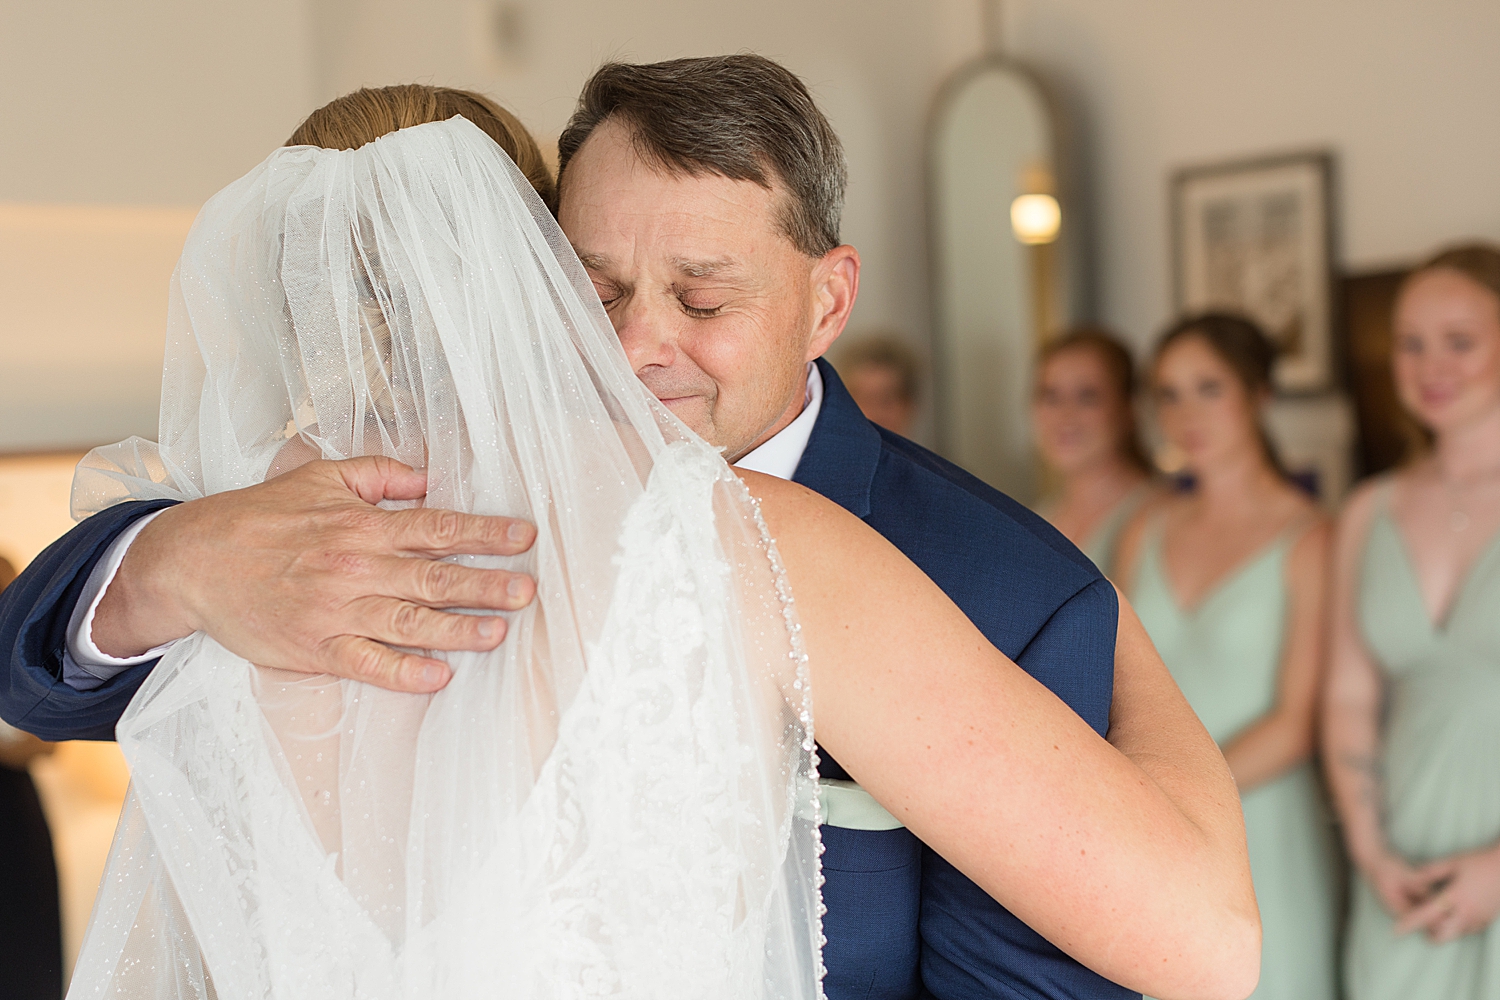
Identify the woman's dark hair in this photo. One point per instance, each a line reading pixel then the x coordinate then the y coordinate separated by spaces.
pixel 744 117
pixel 1242 345
pixel 1119 368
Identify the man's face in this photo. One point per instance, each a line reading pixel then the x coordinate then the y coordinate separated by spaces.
pixel 717 311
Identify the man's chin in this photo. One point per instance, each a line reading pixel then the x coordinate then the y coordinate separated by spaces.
pixel 693 411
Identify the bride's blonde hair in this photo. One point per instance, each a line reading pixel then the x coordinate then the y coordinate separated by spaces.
pixel 367 114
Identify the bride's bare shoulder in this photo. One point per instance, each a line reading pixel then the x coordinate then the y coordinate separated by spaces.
pixel 796 515
pixel 825 547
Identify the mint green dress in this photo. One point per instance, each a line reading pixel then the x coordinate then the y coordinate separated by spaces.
pixel 1441 755
pixel 1225 654
pixel 1101 543
pixel 1105 538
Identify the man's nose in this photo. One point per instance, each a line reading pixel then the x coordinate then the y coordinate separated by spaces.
pixel 646 334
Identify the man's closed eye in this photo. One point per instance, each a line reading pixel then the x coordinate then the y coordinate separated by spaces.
pixel 608 294
pixel 697 308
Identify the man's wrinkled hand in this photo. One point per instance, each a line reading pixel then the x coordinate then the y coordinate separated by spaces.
pixel 305 573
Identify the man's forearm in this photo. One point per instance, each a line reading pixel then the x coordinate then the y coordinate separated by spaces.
pixel 85 665
pixel 35 612
pixel 135 614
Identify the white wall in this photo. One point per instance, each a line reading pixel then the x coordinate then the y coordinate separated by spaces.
pixel 150 102
pixel 117 120
pixel 1404 92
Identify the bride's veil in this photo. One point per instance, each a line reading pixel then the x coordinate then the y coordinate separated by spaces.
pixel 620 801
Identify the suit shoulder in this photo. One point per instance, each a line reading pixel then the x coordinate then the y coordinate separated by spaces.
pixel 943 490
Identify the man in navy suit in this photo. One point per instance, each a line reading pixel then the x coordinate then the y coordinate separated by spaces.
pixel 703 196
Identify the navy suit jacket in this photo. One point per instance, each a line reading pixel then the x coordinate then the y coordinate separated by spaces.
pixel 34 613
pixel 901 922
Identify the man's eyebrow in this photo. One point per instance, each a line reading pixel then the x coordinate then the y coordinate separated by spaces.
pixel 705 268
pixel 595 261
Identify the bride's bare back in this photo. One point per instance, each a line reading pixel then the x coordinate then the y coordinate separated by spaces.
pixel 1136 876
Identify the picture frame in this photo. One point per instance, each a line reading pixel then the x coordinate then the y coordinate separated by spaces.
pixel 1255 237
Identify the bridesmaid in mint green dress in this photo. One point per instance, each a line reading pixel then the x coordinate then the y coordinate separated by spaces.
pixel 1083 422
pixel 1412 710
pixel 1229 581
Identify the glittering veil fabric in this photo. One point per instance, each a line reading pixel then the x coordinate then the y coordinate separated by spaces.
pixel 621 800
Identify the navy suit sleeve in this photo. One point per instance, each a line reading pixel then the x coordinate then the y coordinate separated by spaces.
pixel 1074 652
pixel 34 614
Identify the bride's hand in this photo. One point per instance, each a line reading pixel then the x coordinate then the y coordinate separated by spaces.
pixel 305 573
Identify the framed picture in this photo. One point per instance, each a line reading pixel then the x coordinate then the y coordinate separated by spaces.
pixel 1256 238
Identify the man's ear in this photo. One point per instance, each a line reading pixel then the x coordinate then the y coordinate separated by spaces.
pixel 835 285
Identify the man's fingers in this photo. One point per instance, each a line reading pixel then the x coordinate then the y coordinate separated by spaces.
pixel 449 585
pixel 374 478
pixel 402 623
pixel 361 659
pixel 429 531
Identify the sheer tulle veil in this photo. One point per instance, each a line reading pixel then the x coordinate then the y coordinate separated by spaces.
pixel 621 800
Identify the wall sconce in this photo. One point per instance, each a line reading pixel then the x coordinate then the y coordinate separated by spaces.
pixel 1035 218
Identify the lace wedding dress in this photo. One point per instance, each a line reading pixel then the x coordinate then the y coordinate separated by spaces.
pixel 621 800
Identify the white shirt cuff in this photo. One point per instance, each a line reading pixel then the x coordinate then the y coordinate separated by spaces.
pixel 85 665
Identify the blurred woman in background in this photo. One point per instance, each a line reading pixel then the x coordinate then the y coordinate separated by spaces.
pixel 1412 711
pixel 884 376
pixel 1229 579
pixel 1083 418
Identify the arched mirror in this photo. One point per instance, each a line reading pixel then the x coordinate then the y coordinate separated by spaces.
pixel 1002 274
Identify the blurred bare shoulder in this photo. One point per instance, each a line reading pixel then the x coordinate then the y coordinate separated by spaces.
pixel 1128 552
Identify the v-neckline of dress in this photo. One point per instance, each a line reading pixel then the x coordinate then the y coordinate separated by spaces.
pixel 1223 583
pixel 1441 625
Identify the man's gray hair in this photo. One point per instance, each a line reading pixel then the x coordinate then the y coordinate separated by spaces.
pixel 744 117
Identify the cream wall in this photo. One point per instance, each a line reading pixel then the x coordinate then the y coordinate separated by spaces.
pixel 151 102
pixel 1404 92
pixel 118 120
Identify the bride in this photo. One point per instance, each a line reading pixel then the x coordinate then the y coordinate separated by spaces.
pixel 621 800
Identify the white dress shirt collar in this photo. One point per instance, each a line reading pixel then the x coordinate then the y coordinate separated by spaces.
pixel 780 455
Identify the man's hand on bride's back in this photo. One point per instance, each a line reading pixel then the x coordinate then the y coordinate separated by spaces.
pixel 304 572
